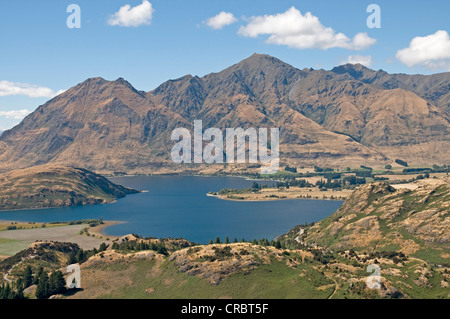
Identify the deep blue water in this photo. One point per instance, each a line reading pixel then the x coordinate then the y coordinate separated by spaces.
pixel 177 206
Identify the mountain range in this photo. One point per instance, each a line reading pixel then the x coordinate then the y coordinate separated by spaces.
pixel 348 116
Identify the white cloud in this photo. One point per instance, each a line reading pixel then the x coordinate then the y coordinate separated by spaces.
pixel 359 59
pixel 14 114
pixel 361 41
pixel 133 17
pixel 432 51
pixel 16 88
pixel 221 20
pixel 299 31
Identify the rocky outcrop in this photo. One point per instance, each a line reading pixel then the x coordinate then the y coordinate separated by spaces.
pixel 378 215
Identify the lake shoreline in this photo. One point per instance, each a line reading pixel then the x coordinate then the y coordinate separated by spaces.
pixel 171 209
pixel 221 197
pixel 100 230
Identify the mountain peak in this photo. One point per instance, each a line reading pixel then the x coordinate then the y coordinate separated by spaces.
pixel 258 59
pixel 99 82
pixel 357 71
pixel 94 80
pixel 345 68
pixel 257 63
pixel 125 83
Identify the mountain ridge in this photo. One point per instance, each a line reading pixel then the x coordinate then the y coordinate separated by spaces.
pixel 336 118
pixel 50 185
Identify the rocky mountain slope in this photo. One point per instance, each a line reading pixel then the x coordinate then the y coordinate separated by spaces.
pixel 414 220
pixel 56 186
pixel 348 116
pixel 434 88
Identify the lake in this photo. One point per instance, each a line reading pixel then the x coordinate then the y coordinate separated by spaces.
pixel 177 206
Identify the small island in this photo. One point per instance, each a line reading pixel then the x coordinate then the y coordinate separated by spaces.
pixel 46 186
pixel 265 193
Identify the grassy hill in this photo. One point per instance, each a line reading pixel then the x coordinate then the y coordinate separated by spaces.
pixel 377 217
pixel 56 186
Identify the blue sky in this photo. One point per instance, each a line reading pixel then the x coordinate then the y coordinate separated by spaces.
pixel 40 55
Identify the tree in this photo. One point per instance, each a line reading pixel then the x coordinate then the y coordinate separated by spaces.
pixel 38 275
pixel 217 241
pixel 227 241
pixel 6 292
pixel 72 258
pixel 102 247
pixel 80 256
pixel 162 250
pixel 57 284
pixel 255 185
pixel 27 277
pixel 19 288
pixel 388 166
pixel 42 289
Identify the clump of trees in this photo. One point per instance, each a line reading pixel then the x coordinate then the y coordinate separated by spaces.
pixel 320 256
pixel 364 173
pixel 294 183
pixel 220 253
pixel 48 286
pixel 134 245
pixel 262 242
pixel 81 255
pixel 318 169
pixel 290 169
pixel 12 291
pixel 256 186
pixel 329 183
pixel 396 257
pixel 354 180
pixel 90 222
pixel 401 162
